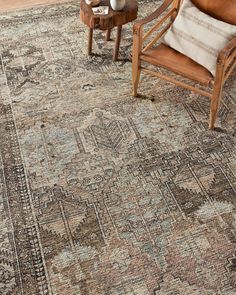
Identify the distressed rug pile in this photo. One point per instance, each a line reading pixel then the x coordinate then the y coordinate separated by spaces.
pixel 100 193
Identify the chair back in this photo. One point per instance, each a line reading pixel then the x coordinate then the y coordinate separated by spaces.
pixel 224 10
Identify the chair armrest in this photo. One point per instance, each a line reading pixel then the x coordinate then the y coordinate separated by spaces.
pixel 226 51
pixel 138 25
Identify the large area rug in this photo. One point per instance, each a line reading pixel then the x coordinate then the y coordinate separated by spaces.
pixel 100 193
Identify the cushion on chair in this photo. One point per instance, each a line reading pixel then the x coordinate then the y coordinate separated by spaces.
pixel 198 35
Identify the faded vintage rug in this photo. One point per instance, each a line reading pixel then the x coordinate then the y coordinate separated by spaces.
pixel 100 193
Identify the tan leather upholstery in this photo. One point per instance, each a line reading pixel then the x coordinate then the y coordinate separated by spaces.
pixel 224 10
pixel 171 59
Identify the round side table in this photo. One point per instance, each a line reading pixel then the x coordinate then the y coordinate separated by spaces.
pixel 108 22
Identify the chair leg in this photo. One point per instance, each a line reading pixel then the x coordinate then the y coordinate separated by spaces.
pixel 135 77
pixel 215 102
pixel 136 62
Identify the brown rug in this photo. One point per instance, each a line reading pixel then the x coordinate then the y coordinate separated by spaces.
pixel 100 193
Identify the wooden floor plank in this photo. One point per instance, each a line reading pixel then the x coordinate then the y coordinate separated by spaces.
pixel 19 4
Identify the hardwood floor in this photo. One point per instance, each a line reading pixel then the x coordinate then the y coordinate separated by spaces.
pixel 6 5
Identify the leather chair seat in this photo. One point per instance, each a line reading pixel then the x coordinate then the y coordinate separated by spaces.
pixel 166 57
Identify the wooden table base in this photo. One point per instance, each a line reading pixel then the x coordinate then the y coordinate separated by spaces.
pixel 107 38
pixel 117 43
pixel 90 41
pixel 108 35
pixel 108 21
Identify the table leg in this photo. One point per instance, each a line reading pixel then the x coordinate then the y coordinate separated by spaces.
pixel 108 35
pixel 90 41
pixel 117 44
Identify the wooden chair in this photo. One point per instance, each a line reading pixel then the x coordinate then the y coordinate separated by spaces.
pixel 163 56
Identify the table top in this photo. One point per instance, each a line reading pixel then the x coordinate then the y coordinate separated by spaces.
pixel 112 19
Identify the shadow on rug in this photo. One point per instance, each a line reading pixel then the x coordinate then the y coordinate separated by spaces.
pixel 100 193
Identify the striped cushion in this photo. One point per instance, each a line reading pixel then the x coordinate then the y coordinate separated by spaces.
pixel 198 35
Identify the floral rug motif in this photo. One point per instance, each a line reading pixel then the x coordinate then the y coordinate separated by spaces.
pixel 101 193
